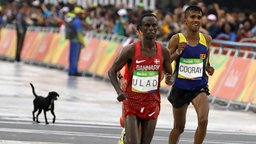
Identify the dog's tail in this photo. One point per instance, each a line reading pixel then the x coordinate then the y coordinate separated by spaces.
pixel 33 90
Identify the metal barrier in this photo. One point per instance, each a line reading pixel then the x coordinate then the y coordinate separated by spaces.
pixel 237 49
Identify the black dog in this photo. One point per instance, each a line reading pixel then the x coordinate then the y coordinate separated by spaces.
pixel 44 103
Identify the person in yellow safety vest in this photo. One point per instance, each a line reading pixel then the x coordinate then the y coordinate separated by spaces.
pixel 76 41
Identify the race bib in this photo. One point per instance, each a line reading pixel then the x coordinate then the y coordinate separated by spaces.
pixel 190 68
pixel 144 81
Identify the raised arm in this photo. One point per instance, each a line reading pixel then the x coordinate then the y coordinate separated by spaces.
pixel 175 47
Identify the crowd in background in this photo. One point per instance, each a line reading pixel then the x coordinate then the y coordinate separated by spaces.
pixel 220 22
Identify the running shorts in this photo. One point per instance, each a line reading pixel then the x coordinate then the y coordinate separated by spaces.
pixel 178 97
pixel 148 112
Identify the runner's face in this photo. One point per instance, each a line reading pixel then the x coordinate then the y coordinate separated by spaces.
pixel 193 20
pixel 149 27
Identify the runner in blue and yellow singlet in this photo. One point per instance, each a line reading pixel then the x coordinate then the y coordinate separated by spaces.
pixel 190 49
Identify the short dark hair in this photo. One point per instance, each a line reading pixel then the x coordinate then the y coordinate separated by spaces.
pixel 142 17
pixel 193 8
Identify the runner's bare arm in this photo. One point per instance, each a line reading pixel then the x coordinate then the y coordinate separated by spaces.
pixel 167 65
pixel 125 56
pixel 118 74
pixel 208 67
pixel 175 47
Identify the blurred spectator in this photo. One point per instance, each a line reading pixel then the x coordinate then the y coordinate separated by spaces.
pixel 64 18
pixel 86 20
pixel 121 22
pixel 169 23
pixel 203 27
pixel 253 19
pixel 106 20
pixel 77 42
pixel 169 27
pixel 71 5
pixel 244 30
pixel 132 26
pixel 202 5
pixel 165 27
pixel 103 20
pixel 227 32
pixel 212 26
pixel 21 28
pixel 140 9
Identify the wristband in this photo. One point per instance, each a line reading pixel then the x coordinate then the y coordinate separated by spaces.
pixel 120 76
pixel 177 52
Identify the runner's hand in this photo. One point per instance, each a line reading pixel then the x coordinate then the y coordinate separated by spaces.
pixel 210 70
pixel 121 96
pixel 168 79
pixel 181 47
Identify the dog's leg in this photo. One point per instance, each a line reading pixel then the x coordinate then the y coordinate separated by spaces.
pixel 53 120
pixel 46 122
pixel 40 110
pixel 33 114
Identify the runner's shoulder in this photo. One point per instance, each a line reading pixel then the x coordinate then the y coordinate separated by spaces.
pixel 207 37
pixel 175 37
pixel 129 49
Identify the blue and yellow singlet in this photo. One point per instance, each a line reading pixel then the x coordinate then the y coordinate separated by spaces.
pixel 190 65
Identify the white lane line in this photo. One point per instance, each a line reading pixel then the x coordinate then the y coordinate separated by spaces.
pixel 68 124
pixel 103 135
pixel 115 136
pixel 26 142
pixel 112 126
pixel 54 132
pixel 217 141
pixel 70 133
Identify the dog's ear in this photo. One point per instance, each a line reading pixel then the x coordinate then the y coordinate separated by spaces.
pixel 53 93
pixel 57 94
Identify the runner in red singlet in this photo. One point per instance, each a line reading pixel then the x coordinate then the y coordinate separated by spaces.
pixel 123 83
pixel 146 60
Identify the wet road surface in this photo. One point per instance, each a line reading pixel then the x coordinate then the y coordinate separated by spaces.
pixel 87 112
